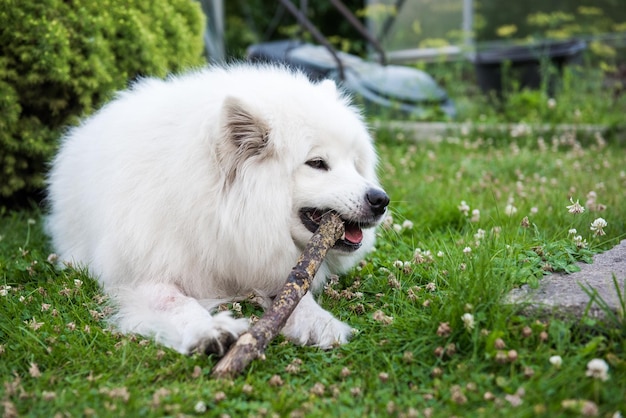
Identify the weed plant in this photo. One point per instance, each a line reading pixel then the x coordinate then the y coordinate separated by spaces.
pixel 471 218
pixel 580 94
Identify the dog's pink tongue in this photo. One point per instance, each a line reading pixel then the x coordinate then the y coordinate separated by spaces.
pixel 354 234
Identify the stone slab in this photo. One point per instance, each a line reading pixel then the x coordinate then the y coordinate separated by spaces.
pixel 562 294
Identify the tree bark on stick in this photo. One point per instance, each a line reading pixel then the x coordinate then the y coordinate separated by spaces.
pixel 252 344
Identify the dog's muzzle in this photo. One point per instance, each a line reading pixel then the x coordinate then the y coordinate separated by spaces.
pixel 376 205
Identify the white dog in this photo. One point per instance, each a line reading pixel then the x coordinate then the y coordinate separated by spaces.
pixel 204 188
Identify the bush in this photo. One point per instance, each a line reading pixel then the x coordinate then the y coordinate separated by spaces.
pixel 60 60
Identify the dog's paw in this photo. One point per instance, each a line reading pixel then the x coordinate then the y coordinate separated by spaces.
pixel 214 336
pixel 325 334
pixel 330 334
pixel 309 324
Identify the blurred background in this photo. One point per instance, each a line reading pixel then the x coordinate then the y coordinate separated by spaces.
pixel 542 62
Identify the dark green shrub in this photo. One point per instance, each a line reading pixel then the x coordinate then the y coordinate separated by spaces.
pixel 61 59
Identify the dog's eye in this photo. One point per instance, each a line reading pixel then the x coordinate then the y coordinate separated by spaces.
pixel 318 164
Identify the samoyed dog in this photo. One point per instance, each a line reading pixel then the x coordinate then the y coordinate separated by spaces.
pixel 204 188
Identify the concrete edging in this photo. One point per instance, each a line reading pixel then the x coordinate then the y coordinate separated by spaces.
pixel 437 131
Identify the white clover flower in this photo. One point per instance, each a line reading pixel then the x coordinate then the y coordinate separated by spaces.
pixel 464 207
pixel 510 210
pixel 398 264
pixel 4 290
pixel 467 250
pixel 440 254
pixel 200 407
pixel 468 321
pixel 551 103
pixel 514 400
pixel 380 316
pixel 598 226
pixel 387 222
pixel 33 324
pixel 407 224
pixel 475 216
pixel 519 130
pixel 397 227
pixel 575 208
pixel 525 222
pixel 480 234
pixel 534 210
pixel 592 196
pixel 420 257
pixel 556 361
pixel 580 242
pixel 598 369
pixel 572 231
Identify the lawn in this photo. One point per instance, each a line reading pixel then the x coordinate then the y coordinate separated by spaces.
pixel 471 217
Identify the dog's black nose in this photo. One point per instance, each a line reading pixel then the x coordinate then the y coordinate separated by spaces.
pixel 378 200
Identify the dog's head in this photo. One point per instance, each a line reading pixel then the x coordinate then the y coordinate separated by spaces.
pixel 319 144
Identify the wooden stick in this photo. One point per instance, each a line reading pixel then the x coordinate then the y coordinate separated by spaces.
pixel 252 344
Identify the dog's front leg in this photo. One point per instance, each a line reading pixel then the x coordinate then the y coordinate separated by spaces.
pixel 176 320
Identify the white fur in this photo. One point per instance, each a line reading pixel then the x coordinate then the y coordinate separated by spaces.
pixel 183 193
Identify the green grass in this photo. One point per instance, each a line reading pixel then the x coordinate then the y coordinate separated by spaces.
pixel 59 357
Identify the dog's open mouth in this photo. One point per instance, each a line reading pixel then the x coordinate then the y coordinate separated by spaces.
pixel 353 235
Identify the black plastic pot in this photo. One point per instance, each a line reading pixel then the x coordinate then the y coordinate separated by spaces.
pixel 528 65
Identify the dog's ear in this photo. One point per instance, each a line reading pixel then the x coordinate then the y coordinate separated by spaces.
pixel 245 135
pixel 243 128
